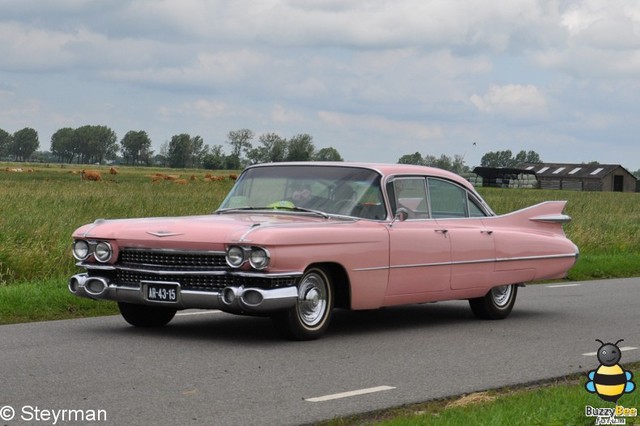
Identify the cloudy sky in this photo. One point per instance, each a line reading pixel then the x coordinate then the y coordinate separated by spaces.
pixel 375 79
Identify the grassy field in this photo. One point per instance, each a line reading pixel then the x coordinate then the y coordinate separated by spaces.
pixel 39 211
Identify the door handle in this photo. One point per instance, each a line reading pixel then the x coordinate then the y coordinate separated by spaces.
pixel 486 231
pixel 442 231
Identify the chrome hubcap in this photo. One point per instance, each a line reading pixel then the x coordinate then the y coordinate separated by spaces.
pixel 501 295
pixel 312 299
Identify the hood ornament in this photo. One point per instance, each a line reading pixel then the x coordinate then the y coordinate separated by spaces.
pixel 161 234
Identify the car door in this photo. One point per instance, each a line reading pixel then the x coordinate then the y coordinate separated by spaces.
pixel 420 253
pixel 472 244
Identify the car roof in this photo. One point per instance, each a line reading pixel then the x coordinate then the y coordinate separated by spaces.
pixel 385 169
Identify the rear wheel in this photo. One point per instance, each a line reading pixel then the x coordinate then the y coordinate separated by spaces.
pixel 311 315
pixel 146 316
pixel 496 304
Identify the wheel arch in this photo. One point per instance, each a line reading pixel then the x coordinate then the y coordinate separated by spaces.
pixel 340 280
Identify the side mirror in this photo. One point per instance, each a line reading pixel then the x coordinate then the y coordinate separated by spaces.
pixel 402 214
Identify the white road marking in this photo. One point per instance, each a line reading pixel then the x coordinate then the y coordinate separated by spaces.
pixel 184 314
pixel 624 348
pixel 349 394
pixel 563 285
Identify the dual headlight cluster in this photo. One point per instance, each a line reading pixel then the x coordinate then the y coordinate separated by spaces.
pixel 257 257
pixel 101 250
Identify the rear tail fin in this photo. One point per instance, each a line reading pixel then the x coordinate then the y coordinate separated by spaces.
pixel 547 216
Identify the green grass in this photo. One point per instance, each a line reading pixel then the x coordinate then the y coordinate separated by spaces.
pixel 47 299
pixel 559 402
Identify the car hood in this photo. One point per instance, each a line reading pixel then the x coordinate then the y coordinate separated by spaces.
pixel 207 229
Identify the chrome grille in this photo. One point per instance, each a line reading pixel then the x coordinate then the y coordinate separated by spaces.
pixel 167 260
pixel 194 270
pixel 203 282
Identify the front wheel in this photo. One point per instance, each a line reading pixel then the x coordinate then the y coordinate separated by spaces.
pixel 496 304
pixel 146 316
pixel 311 315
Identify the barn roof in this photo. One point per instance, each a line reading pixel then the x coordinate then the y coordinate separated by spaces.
pixel 495 172
pixel 559 170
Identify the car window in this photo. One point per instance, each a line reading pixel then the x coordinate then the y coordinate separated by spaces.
pixel 474 208
pixel 411 194
pixel 347 191
pixel 447 199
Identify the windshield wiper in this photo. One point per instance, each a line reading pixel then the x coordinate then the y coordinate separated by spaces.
pixel 268 208
pixel 303 209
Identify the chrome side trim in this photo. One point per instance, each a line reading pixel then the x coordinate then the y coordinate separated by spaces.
pixel 468 262
pixel 551 256
pixel 552 218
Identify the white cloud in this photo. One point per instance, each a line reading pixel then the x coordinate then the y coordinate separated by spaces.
pixel 356 74
pixel 392 129
pixel 512 100
pixel 27 48
pixel 280 115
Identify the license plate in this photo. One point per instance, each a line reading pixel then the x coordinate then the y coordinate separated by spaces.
pixel 161 292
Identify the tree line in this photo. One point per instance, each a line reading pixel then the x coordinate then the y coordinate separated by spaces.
pixel 458 165
pixel 99 144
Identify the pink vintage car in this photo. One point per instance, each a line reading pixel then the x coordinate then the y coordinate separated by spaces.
pixel 295 240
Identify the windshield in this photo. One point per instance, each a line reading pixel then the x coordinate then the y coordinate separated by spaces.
pixel 337 190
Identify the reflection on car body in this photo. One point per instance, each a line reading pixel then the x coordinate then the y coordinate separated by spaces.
pixel 293 241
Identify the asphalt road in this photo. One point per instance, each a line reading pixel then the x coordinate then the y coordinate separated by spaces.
pixel 218 369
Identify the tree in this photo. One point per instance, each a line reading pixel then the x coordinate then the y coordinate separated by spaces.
pixel 497 159
pixel 273 149
pixel 214 159
pixel 94 144
pixel 506 158
pixel 455 164
pixel 179 153
pixel 415 158
pixel 327 154
pixel 24 143
pixel 300 148
pixel 62 144
pixel 5 143
pixel 527 157
pixel 186 151
pixel 458 166
pixel 240 141
pixel 135 147
pixel 198 151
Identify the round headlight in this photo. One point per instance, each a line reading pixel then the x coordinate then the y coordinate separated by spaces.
pixel 259 258
pixel 80 250
pixel 235 256
pixel 103 252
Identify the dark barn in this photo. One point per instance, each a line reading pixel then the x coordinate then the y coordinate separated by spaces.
pixel 506 177
pixel 583 177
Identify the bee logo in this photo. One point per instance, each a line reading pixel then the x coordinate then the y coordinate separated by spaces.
pixel 609 381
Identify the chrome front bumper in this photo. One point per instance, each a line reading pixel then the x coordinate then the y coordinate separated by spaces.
pixel 233 299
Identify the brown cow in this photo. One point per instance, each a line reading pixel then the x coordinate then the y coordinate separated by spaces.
pixel 113 171
pixel 91 175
